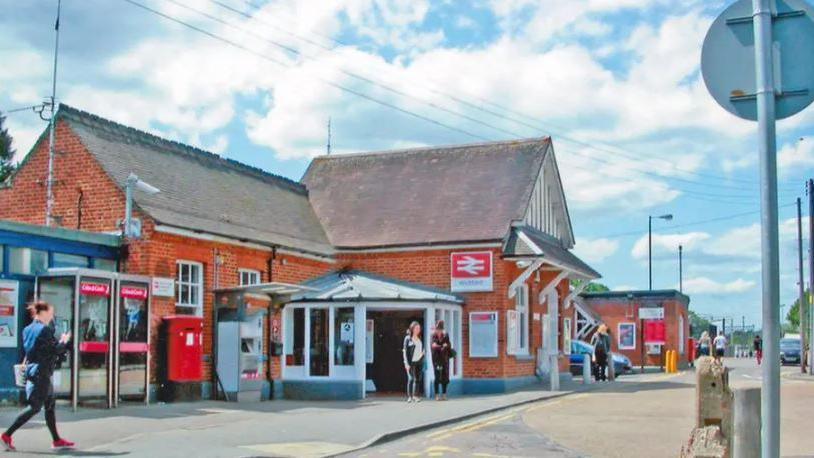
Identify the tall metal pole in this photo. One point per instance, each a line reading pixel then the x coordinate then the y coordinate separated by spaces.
pixel 680 269
pixel 767 147
pixel 810 193
pixel 49 184
pixel 650 253
pixel 803 303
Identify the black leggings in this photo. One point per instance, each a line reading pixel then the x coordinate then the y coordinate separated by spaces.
pixel 39 395
pixel 414 378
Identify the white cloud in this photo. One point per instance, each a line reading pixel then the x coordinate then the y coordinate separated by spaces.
pixel 704 285
pixel 669 243
pixel 794 156
pixel 596 250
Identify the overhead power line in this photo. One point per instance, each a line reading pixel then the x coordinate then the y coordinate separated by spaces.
pixel 384 103
pixel 284 64
pixel 532 122
pixel 689 224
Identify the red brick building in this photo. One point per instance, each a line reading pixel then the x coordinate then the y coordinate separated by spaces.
pixel 620 311
pixel 473 232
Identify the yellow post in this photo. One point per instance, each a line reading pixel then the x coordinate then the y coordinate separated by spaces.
pixel 675 361
pixel 670 361
pixel 667 361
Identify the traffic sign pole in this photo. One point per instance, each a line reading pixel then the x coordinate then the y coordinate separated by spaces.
pixel 769 244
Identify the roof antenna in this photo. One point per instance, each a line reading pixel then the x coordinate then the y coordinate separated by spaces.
pixel 49 203
pixel 328 146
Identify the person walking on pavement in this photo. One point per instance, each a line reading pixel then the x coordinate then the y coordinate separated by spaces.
pixel 602 347
pixel 413 354
pixel 43 351
pixel 720 345
pixel 441 353
pixel 704 344
pixel 757 345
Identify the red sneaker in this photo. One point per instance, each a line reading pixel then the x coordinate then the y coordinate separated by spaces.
pixel 6 439
pixel 62 444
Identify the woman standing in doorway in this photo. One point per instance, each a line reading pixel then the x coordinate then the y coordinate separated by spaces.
pixel 441 349
pixel 413 354
pixel 42 353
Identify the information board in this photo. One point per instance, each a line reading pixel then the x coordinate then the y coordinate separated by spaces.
pixel 482 334
pixel 9 297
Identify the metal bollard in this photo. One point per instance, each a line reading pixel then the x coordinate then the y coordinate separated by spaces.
pixel 611 368
pixel 586 369
pixel 746 423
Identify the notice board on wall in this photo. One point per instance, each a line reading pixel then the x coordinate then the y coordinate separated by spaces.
pixel 482 334
pixel 9 297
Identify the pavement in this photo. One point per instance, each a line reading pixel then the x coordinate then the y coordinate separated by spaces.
pixel 647 416
pixel 276 428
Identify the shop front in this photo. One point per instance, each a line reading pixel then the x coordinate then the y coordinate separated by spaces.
pixel 344 340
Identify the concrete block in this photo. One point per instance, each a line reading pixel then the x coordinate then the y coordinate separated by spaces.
pixel 706 442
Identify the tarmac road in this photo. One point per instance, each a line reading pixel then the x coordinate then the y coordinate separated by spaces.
pixel 647 415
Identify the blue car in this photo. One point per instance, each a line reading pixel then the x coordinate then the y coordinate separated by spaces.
pixel 790 351
pixel 621 363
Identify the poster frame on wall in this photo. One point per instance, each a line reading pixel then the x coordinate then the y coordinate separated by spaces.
pixel 627 344
pixel 493 318
pixel 9 313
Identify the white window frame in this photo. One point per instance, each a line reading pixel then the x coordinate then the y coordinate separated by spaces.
pixel 619 336
pixel 519 345
pixel 192 283
pixel 249 273
pixel 567 335
pixel 681 342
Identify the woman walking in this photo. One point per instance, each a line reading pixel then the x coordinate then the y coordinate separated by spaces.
pixel 602 347
pixel 413 354
pixel 42 353
pixel 704 344
pixel 441 352
pixel 757 344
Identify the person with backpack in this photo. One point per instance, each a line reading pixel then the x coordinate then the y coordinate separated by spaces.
pixel 602 346
pixel 42 353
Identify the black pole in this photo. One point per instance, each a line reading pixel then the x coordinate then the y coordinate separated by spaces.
pixel 801 286
pixel 650 253
pixel 680 269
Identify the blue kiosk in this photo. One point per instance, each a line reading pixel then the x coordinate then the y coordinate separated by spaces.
pixel 27 251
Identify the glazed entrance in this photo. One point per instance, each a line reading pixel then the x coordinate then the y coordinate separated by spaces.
pixel 386 370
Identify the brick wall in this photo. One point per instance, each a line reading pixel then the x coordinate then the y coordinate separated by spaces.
pixel 620 310
pixel 81 188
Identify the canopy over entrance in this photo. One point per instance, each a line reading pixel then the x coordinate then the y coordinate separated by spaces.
pixel 354 285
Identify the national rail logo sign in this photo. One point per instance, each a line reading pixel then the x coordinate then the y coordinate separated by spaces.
pixel 471 271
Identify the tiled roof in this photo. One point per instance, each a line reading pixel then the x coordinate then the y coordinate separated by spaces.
pixel 202 191
pixel 546 247
pixel 425 196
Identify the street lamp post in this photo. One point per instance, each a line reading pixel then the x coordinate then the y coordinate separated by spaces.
pixel 666 217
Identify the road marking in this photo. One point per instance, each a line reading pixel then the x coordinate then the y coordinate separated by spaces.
pixel 305 449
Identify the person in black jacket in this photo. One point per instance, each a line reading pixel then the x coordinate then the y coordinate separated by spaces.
pixel 42 352
pixel 441 349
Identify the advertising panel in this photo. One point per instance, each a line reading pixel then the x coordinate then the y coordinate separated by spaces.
pixel 9 295
pixel 483 334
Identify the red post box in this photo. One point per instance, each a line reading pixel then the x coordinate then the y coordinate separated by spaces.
pixel 184 348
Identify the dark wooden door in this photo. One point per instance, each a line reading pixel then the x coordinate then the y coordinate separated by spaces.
pixel 387 370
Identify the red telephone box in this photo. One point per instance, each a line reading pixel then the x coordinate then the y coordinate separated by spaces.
pixel 184 348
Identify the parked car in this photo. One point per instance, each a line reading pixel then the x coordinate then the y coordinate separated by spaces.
pixel 790 351
pixel 621 363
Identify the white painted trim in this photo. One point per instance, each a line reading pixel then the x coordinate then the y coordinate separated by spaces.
pixel 463 246
pixel 525 238
pixel 172 230
pixel 574 293
pixel 524 276
pixel 551 285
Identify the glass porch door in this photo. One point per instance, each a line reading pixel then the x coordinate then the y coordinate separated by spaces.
pixel 132 336
pixel 60 293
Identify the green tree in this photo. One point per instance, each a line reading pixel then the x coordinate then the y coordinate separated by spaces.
pixel 793 317
pixel 6 151
pixel 698 324
pixel 593 287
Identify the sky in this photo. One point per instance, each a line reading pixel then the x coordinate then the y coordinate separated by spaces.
pixel 616 83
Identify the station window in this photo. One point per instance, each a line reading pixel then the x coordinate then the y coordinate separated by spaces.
pixel 248 277
pixel 318 349
pixel 69 260
pixel 295 337
pixel 189 286
pixel 344 328
pixel 27 261
pixel 521 299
